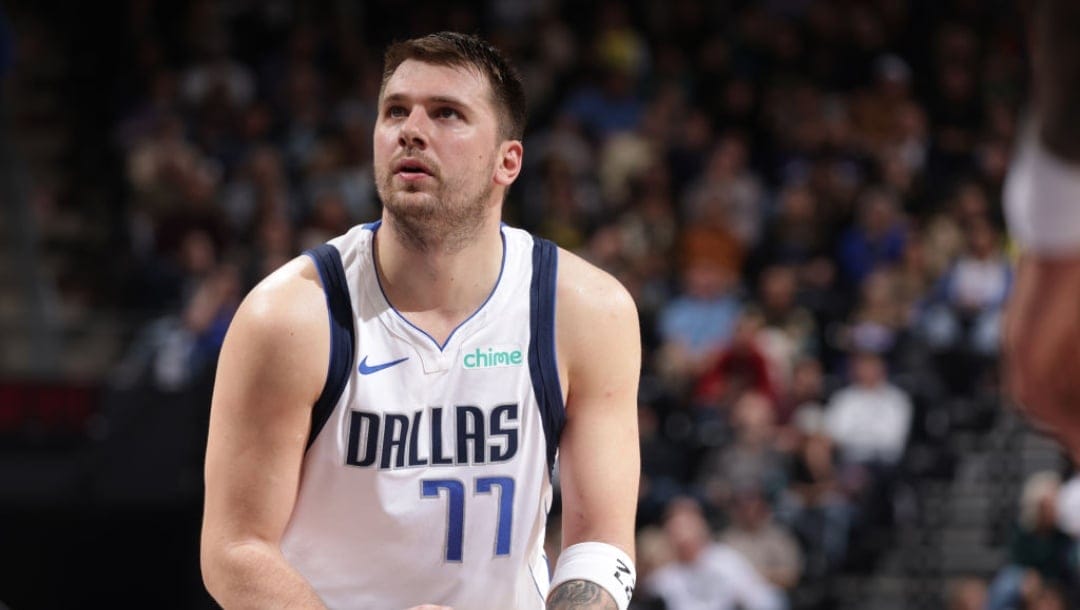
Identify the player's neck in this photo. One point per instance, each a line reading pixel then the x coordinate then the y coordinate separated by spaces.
pixel 434 288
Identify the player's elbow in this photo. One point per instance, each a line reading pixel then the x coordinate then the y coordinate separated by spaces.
pixel 227 565
pixel 1045 394
pixel 1029 380
pixel 214 564
pixel 1022 390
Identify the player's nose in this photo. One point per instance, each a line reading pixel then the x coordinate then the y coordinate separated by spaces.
pixel 414 129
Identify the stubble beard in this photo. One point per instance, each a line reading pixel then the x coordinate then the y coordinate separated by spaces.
pixel 446 221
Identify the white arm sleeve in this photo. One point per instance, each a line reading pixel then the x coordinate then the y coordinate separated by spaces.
pixel 1042 199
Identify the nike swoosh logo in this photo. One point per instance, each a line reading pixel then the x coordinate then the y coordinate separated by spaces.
pixel 375 368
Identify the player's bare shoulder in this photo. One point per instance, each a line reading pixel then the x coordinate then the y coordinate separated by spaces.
pixel 287 294
pixel 583 289
pixel 281 326
pixel 597 319
pixel 287 302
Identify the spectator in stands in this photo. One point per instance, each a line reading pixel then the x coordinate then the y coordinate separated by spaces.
pixel 217 73
pixel 728 192
pixel 327 219
pixel 700 321
pixel 778 297
pixel 878 113
pixel 877 238
pixel 1043 596
pixel 869 420
pixel 795 235
pixel 964 310
pixel 807 388
pixel 1039 542
pixel 742 366
pixel 648 229
pixel 768 546
pixel 799 236
pixel 1041 559
pixel 611 104
pixel 162 168
pixel 750 460
pixel 815 505
pixel 880 318
pixel 967 594
pixel 706 575
pixel 258 190
pixel 559 147
pixel 943 231
pixel 567 203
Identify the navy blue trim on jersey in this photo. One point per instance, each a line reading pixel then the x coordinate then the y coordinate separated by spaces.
pixel 373 227
pixel 342 334
pixel 543 365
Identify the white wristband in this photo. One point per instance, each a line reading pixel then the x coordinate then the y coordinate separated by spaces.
pixel 1042 199
pixel 600 563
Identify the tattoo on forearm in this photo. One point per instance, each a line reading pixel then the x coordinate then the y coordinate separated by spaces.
pixel 580 595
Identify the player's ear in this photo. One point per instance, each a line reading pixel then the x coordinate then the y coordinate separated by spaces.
pixel 509 162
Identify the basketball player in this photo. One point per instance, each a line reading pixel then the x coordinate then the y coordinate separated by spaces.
pixel 388 408
pixel 1042 199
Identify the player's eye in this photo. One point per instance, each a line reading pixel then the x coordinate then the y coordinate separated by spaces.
pixel 396 112
pixel 447 113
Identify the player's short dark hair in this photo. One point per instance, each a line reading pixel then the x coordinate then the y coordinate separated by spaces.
pixel 466 51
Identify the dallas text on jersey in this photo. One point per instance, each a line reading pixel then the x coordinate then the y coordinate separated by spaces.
pixel 392 440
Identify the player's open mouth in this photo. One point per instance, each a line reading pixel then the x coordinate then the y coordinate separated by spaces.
pixel 411 169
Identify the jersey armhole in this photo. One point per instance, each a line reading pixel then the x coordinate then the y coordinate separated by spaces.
pixel 543 360
pixel 327 261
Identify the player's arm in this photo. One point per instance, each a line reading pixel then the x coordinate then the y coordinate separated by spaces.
pixel 1042 341
pixel 1042 324
pixel 599 463
pixel 271 371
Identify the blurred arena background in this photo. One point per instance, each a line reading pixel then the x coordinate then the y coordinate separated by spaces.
pixel 802 195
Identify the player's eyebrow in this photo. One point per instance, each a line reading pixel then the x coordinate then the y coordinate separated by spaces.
pixel 397 98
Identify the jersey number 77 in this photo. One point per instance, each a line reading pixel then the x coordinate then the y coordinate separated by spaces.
pixel 455 513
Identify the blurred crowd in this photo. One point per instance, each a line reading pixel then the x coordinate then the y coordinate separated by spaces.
pixel 803 196
pixel 1042 559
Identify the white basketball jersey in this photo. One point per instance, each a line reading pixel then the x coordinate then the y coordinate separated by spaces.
pixel 427 475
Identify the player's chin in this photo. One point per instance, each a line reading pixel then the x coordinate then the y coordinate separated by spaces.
pixel 415 210
pixel 409 199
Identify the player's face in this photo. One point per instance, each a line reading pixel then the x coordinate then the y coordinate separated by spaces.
pixel 436 147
